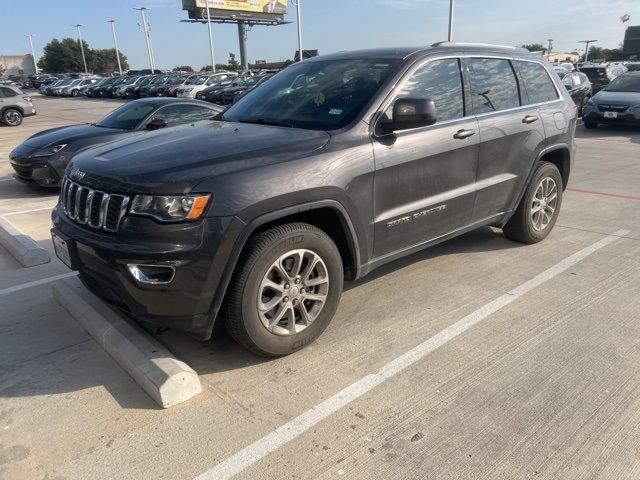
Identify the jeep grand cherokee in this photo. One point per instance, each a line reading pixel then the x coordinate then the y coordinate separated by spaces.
pixel 335 166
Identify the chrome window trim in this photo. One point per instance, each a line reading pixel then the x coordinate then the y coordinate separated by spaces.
pixel 397 87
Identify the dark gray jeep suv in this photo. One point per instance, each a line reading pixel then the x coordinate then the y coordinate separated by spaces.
pixel 335 166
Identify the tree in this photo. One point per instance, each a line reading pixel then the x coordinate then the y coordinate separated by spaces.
pixel 105 61
pixel 596 53
pixel 535 47
pixel 1 70
pixel 65 56
pixel 183 68
pixel 234 65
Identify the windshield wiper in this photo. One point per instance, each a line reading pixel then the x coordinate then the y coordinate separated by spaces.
pixel 264 121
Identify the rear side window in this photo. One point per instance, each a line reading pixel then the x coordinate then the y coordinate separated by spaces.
pixel 440 81
pixel 538 84
pixel 7 92
pixel 493 85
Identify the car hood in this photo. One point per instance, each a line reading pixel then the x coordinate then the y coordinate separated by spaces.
pixel 68 135
pixel 631 98
pixel 175 160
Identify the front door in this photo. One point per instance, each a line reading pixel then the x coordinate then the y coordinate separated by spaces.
pixel 424 184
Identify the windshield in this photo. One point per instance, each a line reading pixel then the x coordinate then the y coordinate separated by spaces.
pixel 625 83
pixel 319 95
pixel 199 80
pixel 175 80
pixel 633 67
pixel 127 117
pixel 191 80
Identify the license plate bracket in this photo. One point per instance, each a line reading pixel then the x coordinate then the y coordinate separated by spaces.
pixel 610 114
pixel 61 247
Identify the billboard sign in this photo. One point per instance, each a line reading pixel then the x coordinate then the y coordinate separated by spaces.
pixel 278 7
pixel 257 11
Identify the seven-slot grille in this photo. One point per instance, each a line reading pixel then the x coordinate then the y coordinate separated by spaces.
pixel 99 210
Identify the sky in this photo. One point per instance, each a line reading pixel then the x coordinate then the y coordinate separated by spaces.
pixel 328 25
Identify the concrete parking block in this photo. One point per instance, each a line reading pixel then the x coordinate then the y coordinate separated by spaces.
pixel 166 379
pixel 23 248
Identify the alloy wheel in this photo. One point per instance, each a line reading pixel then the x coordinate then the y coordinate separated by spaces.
pixel 293 292
pixel 545 202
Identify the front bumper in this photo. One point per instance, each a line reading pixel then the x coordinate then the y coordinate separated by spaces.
pixel 627 117
pixel 46 172
pixel 197 251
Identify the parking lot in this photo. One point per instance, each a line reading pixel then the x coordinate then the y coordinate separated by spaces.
pixel 478 358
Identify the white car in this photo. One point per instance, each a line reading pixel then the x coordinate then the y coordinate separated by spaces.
pixel 74 89
pixel 59 90
pixel 569 66
pixel 197 83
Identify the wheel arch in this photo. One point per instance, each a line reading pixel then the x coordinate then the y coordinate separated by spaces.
pixel 560 156
pixel 328 215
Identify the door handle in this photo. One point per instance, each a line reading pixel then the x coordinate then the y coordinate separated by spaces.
pixel 462 134
pixel 530 119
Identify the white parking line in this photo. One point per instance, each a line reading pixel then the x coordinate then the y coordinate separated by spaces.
pixel 29 211
pixel 36 283
pixel 296 427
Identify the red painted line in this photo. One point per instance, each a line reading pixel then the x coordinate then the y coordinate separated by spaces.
pixel 604 194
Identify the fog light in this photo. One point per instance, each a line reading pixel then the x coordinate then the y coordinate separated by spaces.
pixel 152 274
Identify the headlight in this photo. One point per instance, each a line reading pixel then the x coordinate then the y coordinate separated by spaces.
pixel 49 151
pixel 174 208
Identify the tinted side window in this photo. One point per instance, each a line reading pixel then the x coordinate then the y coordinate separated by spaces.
pixel 7 92
pixel 539 86
pixel 176 114
pixel 493 85
pixel 441 82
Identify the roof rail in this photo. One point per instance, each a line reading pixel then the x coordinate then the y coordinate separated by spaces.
pixel 456 44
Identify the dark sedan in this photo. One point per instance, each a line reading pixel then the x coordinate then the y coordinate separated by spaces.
pixel 618 103
pixel 213 93
pixel 41 160
pixel 230 94
pixel 579 87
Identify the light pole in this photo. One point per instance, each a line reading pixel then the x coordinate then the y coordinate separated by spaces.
pixel 451 9
pixel 115 43
pixel 146 36
pixel 586 48
pixel 33 53
pixel 299 30
pixel 84 60
pixel 213 57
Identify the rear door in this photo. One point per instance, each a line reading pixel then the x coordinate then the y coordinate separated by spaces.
pixel 511 135
pixel 424 184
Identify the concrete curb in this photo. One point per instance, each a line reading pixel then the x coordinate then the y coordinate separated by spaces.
pixel 166 379
pixel 23 248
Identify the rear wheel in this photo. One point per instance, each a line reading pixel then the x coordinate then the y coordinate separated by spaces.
pixel 538 211
pixel 75 93
pixel 12 117
pixel 285 291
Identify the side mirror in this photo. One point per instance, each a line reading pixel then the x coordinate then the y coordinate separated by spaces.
pixel 411 113
pixel 156 124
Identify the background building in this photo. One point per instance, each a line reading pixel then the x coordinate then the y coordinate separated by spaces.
pixel 559 57
pixel 18 64
pixel 631 47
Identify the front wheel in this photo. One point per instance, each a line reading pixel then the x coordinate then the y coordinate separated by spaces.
pixel 12 117
pixel 538 211
pixel 285 291
pixel 590 124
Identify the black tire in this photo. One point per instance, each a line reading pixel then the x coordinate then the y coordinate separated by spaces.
pixel 521 227
pixel 12 117
pixel 242 319
pixel 590 124
pixel 583 105
pixel 75 93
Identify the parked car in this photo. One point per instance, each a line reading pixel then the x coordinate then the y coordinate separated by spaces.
pixel 133 90
pixel 561 71
pixel 75 90
pixel 150 89
pixel 107 90
pixel 200 82
pixel 617 103
pixel 169 88
pixel 42 158
pixel 601 75
pixel 231 94
pixel 579 87
pixel 119 91
pixel 48 89
pixel 94 90
pixel 632 66
pixel 334 167
pixel 14 105
pixel 568 66
pixel 212 94
pixel 59 90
